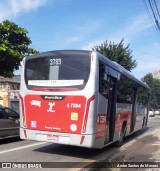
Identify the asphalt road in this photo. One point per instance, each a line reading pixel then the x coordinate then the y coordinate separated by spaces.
pixel 74 158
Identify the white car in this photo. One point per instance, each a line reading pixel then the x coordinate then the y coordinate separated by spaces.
pixel 156 112
pixel 151 113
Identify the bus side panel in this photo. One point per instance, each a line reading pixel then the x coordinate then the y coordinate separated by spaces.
pixel 141 111
pixel 123 114
pixel 101 121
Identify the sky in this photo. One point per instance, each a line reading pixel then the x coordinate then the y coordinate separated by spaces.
pixel 82 24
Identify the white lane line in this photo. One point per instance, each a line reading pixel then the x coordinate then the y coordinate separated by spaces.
pixel 20 148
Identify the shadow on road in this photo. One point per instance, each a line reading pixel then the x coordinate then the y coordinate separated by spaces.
pixel 81 152
pixel 9 140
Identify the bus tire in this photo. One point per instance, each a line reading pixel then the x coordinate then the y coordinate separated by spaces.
pixel 143 125
pixel 122 135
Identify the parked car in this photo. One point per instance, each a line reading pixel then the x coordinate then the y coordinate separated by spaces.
pixel 9 123
pixel 151 113
pixel 156 111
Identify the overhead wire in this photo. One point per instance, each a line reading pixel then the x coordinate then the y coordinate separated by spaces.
pixel 155 12
pixel 157 8
pixel 149 11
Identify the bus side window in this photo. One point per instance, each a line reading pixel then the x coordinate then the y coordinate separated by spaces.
pixel 124 90
pixel 102 79
pixel 143 96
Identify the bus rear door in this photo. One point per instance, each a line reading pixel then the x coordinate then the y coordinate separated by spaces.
pixel 111 108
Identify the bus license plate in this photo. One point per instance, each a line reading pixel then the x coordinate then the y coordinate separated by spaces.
pixel 53 137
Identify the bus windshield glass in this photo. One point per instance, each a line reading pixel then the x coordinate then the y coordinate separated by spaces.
pixel 58 71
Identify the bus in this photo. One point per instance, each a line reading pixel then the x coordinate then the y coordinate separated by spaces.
pixel 80 98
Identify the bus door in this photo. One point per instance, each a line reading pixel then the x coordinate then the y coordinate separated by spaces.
pixel 111 108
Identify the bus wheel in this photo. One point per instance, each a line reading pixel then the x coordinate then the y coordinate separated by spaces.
pixel 122 135
pixel 143 125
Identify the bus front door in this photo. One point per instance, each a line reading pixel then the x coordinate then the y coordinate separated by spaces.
pixel 111 108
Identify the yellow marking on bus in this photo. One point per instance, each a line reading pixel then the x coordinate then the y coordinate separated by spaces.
pixel 85 124
pixel 74 116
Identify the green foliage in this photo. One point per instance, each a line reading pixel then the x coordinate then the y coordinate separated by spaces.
pixel 154 84
pixel 117 52
pixel 14 46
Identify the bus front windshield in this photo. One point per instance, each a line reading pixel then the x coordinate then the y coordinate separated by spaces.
pixel 57 71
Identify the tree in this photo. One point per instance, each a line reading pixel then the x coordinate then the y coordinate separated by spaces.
pixel 154 84
pixel 14 46
pixel 117 52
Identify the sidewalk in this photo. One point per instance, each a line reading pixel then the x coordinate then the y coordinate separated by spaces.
pixel 142 148
pixel 149 147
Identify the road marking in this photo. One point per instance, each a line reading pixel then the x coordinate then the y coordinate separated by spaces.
pixel 88 162
pixel 20 148
pixel 156 144
pixel 115 169
pixel 82 165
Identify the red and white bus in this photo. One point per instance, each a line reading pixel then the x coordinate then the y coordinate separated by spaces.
pixel 80 98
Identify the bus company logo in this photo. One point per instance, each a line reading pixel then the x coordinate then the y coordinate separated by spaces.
pixel 45 97
pixel 51 107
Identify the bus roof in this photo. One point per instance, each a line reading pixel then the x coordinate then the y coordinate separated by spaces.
pixel 56 52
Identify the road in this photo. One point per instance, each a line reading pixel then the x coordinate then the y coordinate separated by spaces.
pixel 135 148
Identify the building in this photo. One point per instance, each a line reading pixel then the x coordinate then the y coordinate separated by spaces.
pixel 156 74
pixel 9 90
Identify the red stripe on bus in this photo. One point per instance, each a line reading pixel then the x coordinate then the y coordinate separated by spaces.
pixel 25 133
pixel 86 114
pixel 82 139
pixel 23 114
